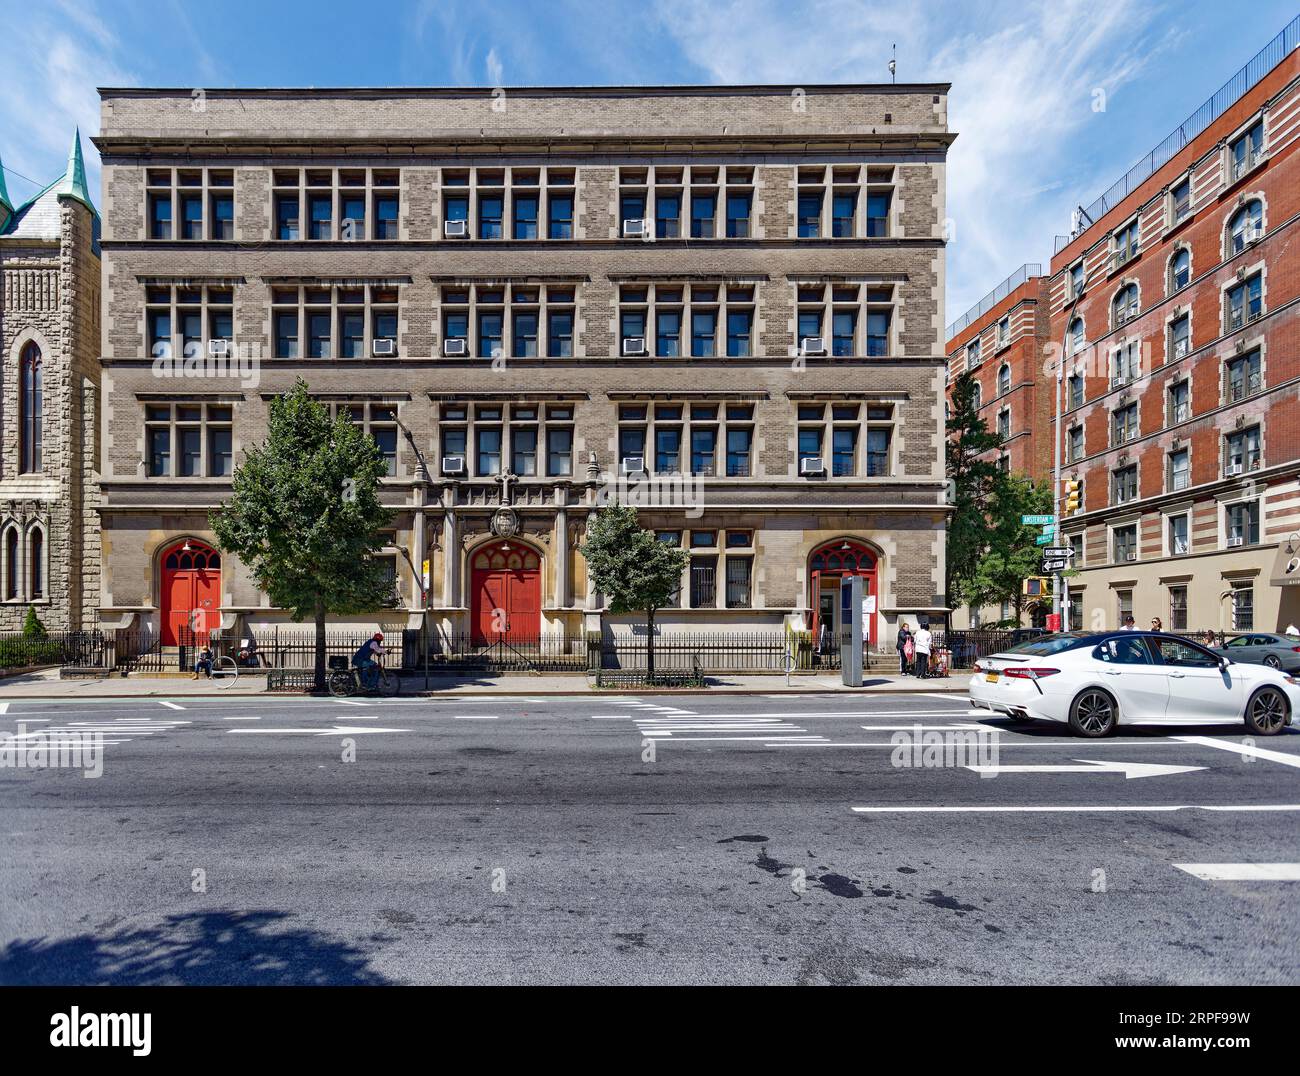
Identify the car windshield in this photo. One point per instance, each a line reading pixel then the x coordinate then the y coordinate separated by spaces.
pixel 1051 644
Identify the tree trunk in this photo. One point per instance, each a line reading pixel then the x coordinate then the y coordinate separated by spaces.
pixel 650 646
pixel 320 647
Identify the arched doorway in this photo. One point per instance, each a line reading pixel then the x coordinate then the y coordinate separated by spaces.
pixel 827 565
pixel 190 590
pixel 506 592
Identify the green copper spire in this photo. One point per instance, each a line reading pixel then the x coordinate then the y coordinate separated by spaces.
pixel 73 184
pixel 6 206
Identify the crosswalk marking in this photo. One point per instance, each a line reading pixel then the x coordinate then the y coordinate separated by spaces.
pixel 1243 872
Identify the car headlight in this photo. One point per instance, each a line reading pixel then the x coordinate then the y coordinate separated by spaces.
pixel 1291 680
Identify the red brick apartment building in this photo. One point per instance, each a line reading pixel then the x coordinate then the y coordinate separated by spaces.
pixel 1178 298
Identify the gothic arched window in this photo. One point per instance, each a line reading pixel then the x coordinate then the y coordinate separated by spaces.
pixel 30 410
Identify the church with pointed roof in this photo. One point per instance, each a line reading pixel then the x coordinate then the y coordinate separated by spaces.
pixel 49 402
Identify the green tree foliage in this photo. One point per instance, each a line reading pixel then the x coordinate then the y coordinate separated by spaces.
pixel 305 517
pixel 1010 553
pixel 636 572
pixel 32 626
pixel 972 481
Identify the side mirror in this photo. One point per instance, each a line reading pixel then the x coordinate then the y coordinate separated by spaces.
pixel 1223 664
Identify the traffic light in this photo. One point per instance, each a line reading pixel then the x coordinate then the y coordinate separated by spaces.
pixel 1073 495
pixel 1034 587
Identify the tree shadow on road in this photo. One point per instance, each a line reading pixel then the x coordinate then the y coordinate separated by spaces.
pixel 255 948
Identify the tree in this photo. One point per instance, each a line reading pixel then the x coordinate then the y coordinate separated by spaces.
pixel 635 571
pixel 1011 553
pixel 972 480
pixel 305 516
pixel 33 628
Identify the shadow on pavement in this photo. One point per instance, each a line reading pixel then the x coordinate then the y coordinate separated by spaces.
pixel 205 948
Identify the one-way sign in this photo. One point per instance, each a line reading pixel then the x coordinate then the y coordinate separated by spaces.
pixel 1052 565
pixel 1055 551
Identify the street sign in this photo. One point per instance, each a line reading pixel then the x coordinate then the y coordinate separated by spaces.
pixel 1043 539
pixel 1059 551
pixel 1052 565
pixel 1034 521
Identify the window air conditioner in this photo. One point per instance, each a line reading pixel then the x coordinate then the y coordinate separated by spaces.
pixel 383 346
pixel 455 229
pixel 634 465
pixel 455 346
pixel 219 348
pixel 812 465
pixel 1235 541
pixel 453 464
pixel 1130 556
pixel 634 228
pixel 634 345
pixel 1235 468
pixel 812 345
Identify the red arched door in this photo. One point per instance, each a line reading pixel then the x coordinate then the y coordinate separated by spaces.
pixel 828 564
pixel 506 589
pixel 190 587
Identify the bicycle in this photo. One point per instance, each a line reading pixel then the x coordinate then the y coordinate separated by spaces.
pixel 344 680
pixel 223 672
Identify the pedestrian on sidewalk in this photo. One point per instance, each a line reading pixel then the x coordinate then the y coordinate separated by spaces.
pixel 1156 625
pixel 921 641
pixel 904 646
pixel 203 664
pixel 1129 624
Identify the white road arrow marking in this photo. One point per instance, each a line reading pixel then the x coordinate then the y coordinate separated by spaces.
pixel 1284 757
pixel 1128 769
pixel 171 706
pixel 336 730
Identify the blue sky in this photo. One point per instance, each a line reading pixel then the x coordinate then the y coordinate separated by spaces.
pixel 1026 76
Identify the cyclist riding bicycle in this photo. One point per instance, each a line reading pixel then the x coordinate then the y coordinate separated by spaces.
pixel 366 663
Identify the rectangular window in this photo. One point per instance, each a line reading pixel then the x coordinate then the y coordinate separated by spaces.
pixel 878 452
pixel 1125 484
pixel 1180 470
pixel 668 212
pixel 286 216
pixel 668 333
pixel 1180 337
pixel 559 450
pixel 488 448
pixel 160 450
pixel 320 213
pixel 738 210
pixel 668 444
pixel 318 328
pixel 844 451
pixel 490 323
pixel 1074 445
pixel 739 440
pixel 878 333
pixel 1177 608
pixel 1243 452
pixel 1245 302
pixel 1243 523
pixel 810 214
pixel 523 450
pixel 1179 402
pixel 160 216
pixel 704 445
pixel 1245 152
pixel 704 328
pixel 352 334
pixel 739 570
pixel 844 209
pixel 560 212
pixel 1243 606
pixel 739 325
pixel 386 216
pixel 704 593
pixel 878 214
pixel 703 211
pixel 1179 540
pixel 191 216
pixel 489 216
pixel 844 330
pixel 1181 199
pixel 1075 391
pixel 223 216
pixel 1244 377
pixel 524 335
pixel 1125 539
pixel 1124 605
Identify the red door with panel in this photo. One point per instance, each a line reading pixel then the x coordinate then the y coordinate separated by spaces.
pixel 190 589
pixel 506 589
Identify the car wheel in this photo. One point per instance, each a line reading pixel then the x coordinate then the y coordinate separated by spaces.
pixel 1272 662
pixel 1266 713
pixel 1094 714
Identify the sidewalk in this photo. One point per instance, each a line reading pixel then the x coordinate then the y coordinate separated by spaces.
pixel 46 684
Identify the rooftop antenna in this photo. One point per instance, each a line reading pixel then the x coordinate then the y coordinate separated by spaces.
pixel 893 62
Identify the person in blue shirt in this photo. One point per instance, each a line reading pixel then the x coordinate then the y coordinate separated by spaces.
pixel 366 660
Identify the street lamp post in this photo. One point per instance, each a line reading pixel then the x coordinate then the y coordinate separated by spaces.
pixel 1060 585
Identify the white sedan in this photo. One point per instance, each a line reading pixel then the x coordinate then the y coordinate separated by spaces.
pixel 1092 681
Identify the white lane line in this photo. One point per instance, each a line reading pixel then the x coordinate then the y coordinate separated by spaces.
pixel 1082 808
pixel 171 705
pixel 1002 746
pixel 953 698
pixel 1242 749
pixel 927 728
pixel 350 702
pixel 241 719
pixel 766 740
pixel 4 707
pixel 1243 872
pixel 474 717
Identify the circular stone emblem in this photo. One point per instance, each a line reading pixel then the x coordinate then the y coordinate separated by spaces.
pixel 505 523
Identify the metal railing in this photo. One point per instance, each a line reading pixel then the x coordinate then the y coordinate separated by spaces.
pixel 1026 272
pixel 1228 94
pixel 51 648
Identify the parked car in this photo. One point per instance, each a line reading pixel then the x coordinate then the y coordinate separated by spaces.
pixel 1264 648
pixel 1093 681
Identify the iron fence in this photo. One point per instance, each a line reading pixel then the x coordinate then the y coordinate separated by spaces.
pixel 51 648
pixel 552 652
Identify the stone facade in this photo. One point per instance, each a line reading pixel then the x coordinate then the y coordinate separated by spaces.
pixel 889 140
pixel 50 306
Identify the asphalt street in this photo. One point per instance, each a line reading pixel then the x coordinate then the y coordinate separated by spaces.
pixel 658 839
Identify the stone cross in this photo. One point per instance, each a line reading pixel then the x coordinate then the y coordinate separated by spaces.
pixel 505 478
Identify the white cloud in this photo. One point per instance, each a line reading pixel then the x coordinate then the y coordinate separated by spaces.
pixel 54 59
pixel 1022 80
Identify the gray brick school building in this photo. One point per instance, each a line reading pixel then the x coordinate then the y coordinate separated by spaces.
pixel 722 303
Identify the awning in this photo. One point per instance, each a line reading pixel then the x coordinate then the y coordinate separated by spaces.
pixel 1286 568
